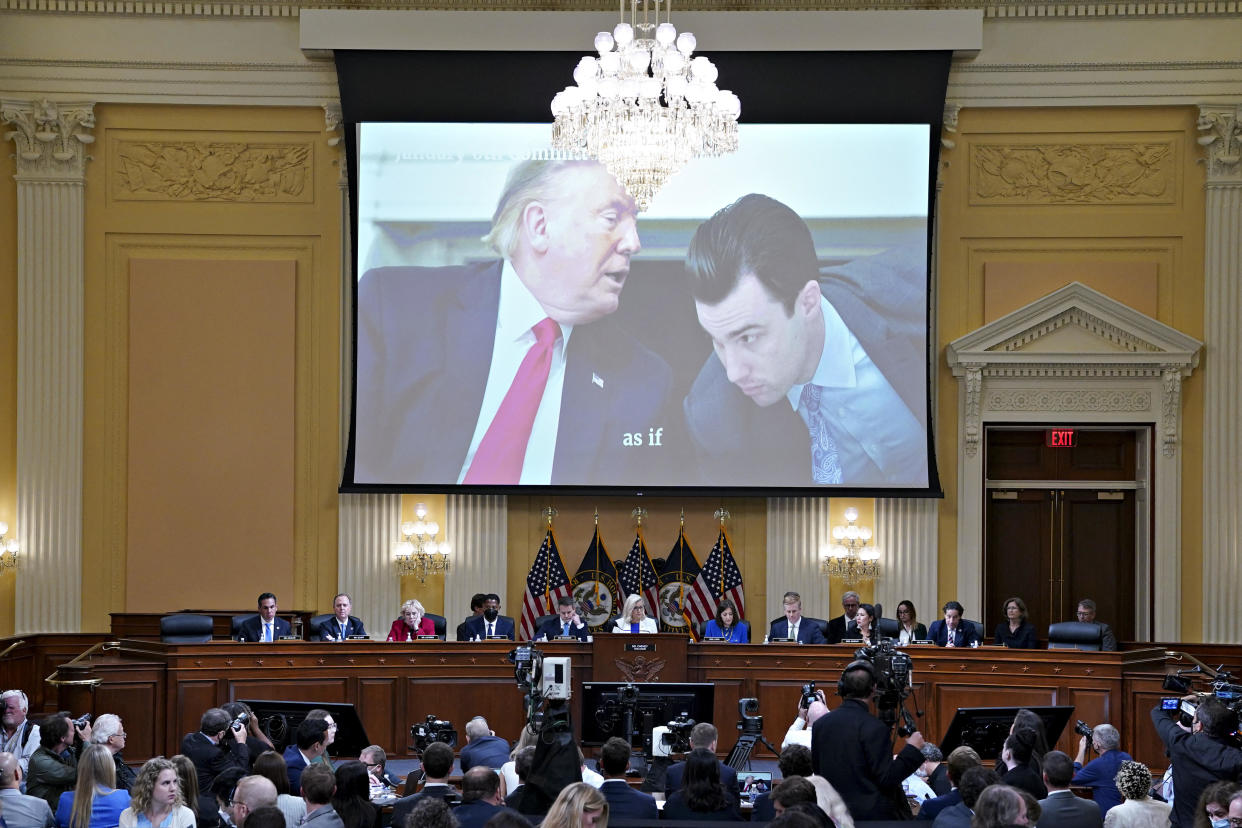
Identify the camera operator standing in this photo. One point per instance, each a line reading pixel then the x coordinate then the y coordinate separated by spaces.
pixel 1200 754
pixel 853 750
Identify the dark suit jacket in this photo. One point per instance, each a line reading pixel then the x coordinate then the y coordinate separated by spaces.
pixel 210 760
pixel 476 814
pixel 252 630
pixel 882 300
pixel 955 816
pixel 674 780
pixel 939 779
pixel 1026 778
pixel 1064 810
pixel 1109 641
pixel 403 806
pixel 425 338
pixel 478 626
pixel 809 630
pixel 295 764
pixel 963 635
pixel 330 631
pixel 1023 639
pixel 488 751
pixel 853 750
pixel 930 809
pixel 839 630
pixel 764 810
pixel 553 628
pixel 626 803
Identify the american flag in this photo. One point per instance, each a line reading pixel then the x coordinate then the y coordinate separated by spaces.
pixel 546 583
pixel 719 578
pixel 637 575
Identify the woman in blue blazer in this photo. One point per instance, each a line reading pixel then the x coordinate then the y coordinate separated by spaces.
pixel 726 625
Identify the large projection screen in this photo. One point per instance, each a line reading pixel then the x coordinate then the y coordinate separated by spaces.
pixel 800 362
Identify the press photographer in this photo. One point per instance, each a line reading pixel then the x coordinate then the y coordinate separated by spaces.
pixel 210 752
pixel 1099 773
pixel 1203 753
pixel 811 705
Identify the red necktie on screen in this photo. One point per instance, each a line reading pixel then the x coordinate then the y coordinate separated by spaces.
pixel 498 459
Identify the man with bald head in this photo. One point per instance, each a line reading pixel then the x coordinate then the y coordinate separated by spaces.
pixel 253 792
pixel 20 811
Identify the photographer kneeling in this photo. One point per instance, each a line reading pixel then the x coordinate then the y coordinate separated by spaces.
pixel 1200 754
pixel 853 750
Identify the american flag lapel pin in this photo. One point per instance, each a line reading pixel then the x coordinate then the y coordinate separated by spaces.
pixel 596 379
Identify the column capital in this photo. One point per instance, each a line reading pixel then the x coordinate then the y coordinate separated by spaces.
pixel 51 137
pixel 1220 135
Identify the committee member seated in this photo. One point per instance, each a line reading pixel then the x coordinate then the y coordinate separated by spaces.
pixel 953 631
pixel 490 624
pixel 1086 614
pixel 412 623
pixel 909 629
pixel 624 802
pixel 1061 808
pixel 20 810
pixel 342 625
pixel 265 627
pixel 1099 773
pixel 634 618
pixel 477 601
pixel 844 626
pixel 567 624
pixel 19 735
pixel 727 625
pixel 54 765
pixel 702 736
pixel 793 626
pixel 865 622
pixel 483 746
pixel 1015 631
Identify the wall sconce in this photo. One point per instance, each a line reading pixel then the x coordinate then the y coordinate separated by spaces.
pixel 9 547
pixel 850 558
pixel 418 552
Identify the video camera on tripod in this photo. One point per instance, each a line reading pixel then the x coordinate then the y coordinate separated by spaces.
pixel 546 685
pixel 894 673
pixel 751 726
pixel 1224 689
pixel 433 729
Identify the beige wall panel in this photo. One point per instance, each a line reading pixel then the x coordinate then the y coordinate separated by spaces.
pixel 1008 286
pixel 211 443
pixel 8 373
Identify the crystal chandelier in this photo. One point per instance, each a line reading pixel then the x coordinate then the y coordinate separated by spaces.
pixel 849 558
pixel 418 553
pixel 645 107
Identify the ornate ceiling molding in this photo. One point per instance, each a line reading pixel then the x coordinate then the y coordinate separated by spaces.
pixel 51 138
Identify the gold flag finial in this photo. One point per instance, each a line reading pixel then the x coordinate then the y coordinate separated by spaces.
pixel 549 513
pixel 683 517
pixel 597 516
pixel 721 514
pixel 638 514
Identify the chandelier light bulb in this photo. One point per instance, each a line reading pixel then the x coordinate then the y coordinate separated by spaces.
pixel 686 43
pixel 444 549
pixel 851 532
pixel 610 63
pixel 586 72
pixel 603 42
pixel 851 514
pixel 838 532
pixel 623 34
pixel 431 548
pixel 421 510
pixel 666 33
pixel 420 528
pixel 704 70
pixel 12 545
pixel 864 532
pixel 404 549
pixel 433 528
pixel 407 528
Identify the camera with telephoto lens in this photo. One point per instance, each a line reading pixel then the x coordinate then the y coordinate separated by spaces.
pixel 809 694
pixel 894 672
pixel 433 729
pixel 240 722
pixel 1083 729
pixel 677 739
pixel 1223 689
pixel 82 721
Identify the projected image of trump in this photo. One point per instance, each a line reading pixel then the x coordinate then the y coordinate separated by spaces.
pixel 818 374
pixel 510 371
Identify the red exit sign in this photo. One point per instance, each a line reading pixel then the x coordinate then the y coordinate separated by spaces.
pixel 1060 438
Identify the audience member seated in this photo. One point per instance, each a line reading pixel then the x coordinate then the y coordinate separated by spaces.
pixel 216 746
pixel 1235 810
pixel 376 760
pixel 508 771
pixel 352 799
pixel 268 816
pixel 109 731
pixel 222 789
pixel 437 765
pixel 477 601
pixel 155 801
pixel 1086 614
pixel 1000 806
pixel 830 802
pixel 19 735
pixel 1026 719
pixel 795 760
pixel 1212 810
pixel 865 621
pixel 326 717
pixel 95 801
pixel 266 626
pixel 727 625
pixel 311 742
pixel 844 625
pixel 206 811
pixel 429 813
pixel 252 793
pixel 633 618
pixel 54 764
pixel 961 759
pixel 20 810
pixel 565 624
pixel 1139 810
pixel 1017 758
pixel 1015 631
pixel 703 736
pixel 793 626
pixel 318 785
pixel 1098 774
pixel 790 791
pixel 951 631
pixel 974 781
pixel 1061 808
pixel 702 797
pixel 521 766
pixel 271 765
pixel 623 801
pixel 342 625
pixel 578 806
pixel 908 627
pixel 482 795
pixel 934 771
pixel 483 747
pixel 412 623
pixel 799 733
pixel 491 624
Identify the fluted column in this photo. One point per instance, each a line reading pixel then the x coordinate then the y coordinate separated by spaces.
pixel 368 526
pixel 797 527
pixel 1221 136
pixel 50 140
pixel 478 526
pixel 906 536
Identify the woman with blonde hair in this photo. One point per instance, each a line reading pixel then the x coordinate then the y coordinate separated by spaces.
pixel 634 618
pixel 578 806
pixel 94 802
pixel 412 623
pixel 831 803
pixel 156 798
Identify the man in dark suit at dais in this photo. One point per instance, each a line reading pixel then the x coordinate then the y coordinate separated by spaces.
pixel 510 371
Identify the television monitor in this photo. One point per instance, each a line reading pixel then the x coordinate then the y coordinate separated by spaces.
pixel 605 705
pixel 986 728
pixel 279 720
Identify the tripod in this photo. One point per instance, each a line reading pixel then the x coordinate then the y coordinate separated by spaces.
pixel 739 757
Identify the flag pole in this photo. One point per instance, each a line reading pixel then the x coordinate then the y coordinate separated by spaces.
pixel 721 514
pixel 549 513
pixel 597 569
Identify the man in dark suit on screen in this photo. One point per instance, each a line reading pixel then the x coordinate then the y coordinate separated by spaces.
pixel 265 626
pixel 816 378
pixel 510 371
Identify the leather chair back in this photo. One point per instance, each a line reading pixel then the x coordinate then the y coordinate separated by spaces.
pixel 1075 635
pixel 185 628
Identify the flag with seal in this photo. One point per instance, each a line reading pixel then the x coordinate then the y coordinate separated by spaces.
pixel 675 584
pixel 595 586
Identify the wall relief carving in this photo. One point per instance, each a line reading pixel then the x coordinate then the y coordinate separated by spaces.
pixel 1072 173
pixel 1087 399
pixel 211 171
